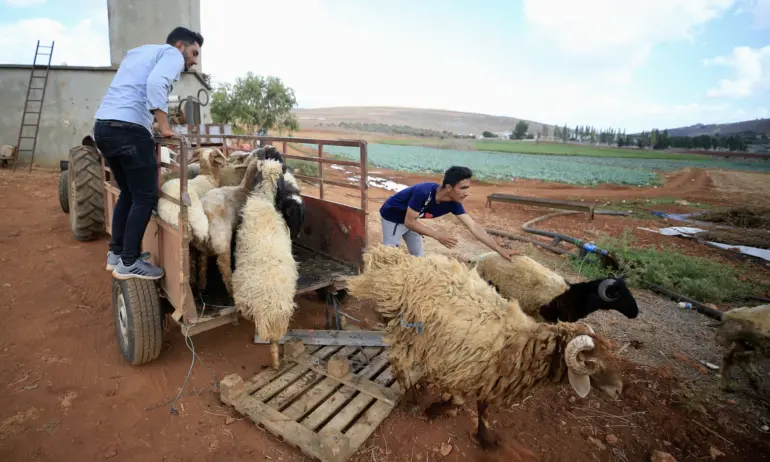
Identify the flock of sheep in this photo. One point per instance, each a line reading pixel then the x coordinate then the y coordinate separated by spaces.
pixel 489 329
pixel 245 213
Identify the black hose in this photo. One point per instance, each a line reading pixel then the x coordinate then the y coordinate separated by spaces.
pixel 700 307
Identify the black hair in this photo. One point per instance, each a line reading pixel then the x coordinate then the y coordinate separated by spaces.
pixel 185 35
pixel 456 174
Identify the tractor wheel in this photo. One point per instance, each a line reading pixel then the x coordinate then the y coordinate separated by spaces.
pixel 64 199
pixel 138 319
pixel 86 193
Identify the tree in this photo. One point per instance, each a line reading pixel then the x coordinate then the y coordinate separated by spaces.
pixel 487 134
pixel 257 102
pixel 520 130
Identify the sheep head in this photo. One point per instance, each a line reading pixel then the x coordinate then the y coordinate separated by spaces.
pixel 271 152
pixel 289 204
pixel 582 299
pixel 588 361
pixel 210 159
pixel 239 159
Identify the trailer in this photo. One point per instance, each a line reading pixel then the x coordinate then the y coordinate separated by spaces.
pixel 329 248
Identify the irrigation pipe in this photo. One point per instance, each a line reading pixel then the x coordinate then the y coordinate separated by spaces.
pixel 700 307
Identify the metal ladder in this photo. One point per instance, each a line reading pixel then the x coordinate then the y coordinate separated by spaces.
pixel 38 111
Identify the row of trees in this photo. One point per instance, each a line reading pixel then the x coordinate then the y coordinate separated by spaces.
pixel 255 103
pixel 661 140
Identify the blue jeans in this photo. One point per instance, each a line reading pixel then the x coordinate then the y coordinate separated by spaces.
pixel 129 151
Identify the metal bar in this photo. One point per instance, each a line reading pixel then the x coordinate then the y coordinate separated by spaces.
pixel 364 156
pixel 320 168
pixel 363 338
pixel 315 179
pixel 540 202
pixel 272 140
pixel 324 160
pixel 188 309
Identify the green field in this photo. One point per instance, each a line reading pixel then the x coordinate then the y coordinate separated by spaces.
pixel 554 149
pixel 582 170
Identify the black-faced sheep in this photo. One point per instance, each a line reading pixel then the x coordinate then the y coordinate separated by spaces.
pixel 265 276
pixel 472 342
pixel 545 294
pixel 211 161
pixel 746 332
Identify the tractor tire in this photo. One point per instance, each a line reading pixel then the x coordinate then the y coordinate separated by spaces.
pixel 138 320
pixel 64 186
pixel 86 193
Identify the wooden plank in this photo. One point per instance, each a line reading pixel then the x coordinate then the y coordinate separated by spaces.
pixel 364 338
pixel 343 418
pixel 276 423
pixel 302 385
pixel 334 402
pixel 264 377
pixel 369 421
pixel 275 386
pixel 366 386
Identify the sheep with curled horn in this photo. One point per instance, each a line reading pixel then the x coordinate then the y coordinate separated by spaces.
pixel 470 341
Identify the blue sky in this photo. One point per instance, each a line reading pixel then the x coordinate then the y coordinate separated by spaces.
pixel 626 64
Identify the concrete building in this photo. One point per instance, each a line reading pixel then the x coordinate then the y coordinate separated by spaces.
pixel 73 93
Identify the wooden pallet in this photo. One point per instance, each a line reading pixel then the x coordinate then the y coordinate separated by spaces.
pixel 324 400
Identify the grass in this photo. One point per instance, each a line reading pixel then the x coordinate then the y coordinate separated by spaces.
pixel 546 148
pixel 699 278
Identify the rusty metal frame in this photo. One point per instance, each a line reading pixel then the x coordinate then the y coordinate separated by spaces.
pixel 540 202
pixel 170 247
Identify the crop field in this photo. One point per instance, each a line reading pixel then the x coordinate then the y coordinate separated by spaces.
pixel 563 169
pixel 546 148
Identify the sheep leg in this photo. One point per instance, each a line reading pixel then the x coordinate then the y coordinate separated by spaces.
pixel 744 360
pixel 443 406
pixel 223 262
pixel 486 437
pixel 736 354
pixel 274 354
pixel 203 266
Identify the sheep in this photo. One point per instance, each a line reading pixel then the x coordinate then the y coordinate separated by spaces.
pixel 222 206
pixel 211 161
pixel 544 294
pixel 472 341
pixel 265 277
pixel 746 332
pixel 233 173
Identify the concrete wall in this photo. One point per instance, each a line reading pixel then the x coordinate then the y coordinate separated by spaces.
pixel 71 99
pixel 133 23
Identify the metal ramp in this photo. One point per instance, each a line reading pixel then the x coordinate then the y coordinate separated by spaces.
pixel 41 82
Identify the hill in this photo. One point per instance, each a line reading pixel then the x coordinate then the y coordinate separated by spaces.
pixel 757 126
pixel 426 119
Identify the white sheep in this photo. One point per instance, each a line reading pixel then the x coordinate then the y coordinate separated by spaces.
pixel 211 162
pixel 545 295
pixel 447 322
pixel 233 173
pixel 222 207
pixel 265 276
pixel 746 332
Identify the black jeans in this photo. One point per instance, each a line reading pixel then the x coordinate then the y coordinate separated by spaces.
pixel 129 150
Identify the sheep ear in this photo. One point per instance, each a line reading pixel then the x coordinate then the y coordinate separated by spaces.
pixel 580 383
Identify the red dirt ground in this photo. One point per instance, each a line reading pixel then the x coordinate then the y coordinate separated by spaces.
pixel 68 396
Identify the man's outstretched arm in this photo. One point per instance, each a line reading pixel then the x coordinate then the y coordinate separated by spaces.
pixel 481 234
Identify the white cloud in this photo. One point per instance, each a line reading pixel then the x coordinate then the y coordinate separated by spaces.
pixel 24 2
pixel 618 35
pixel 85 44
pixel 760 9
pixel 752 72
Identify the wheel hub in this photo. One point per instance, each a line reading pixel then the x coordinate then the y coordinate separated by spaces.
pixel 123 320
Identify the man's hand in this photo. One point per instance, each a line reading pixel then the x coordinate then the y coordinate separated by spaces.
pixel 167 132
pixel 508 254
pixel 446 239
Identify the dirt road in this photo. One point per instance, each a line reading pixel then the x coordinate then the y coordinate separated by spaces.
pixel 68 396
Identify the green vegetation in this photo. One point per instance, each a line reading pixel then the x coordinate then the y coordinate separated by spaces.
pixel 699 278
pixel 493 166
pixel 564 149
pixel 255 102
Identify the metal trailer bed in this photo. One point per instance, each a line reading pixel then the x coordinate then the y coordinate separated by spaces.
pixel 329 247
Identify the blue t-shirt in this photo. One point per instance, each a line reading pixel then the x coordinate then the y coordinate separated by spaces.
pixel 420 197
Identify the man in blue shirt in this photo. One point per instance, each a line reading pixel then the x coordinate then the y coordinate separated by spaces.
pixel 123 134
pixel 400 212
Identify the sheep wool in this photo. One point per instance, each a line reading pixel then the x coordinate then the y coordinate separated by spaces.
pixel 522 279
pixel 211 162
pixel 473 342
pixel 265 276
pixel 746 333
